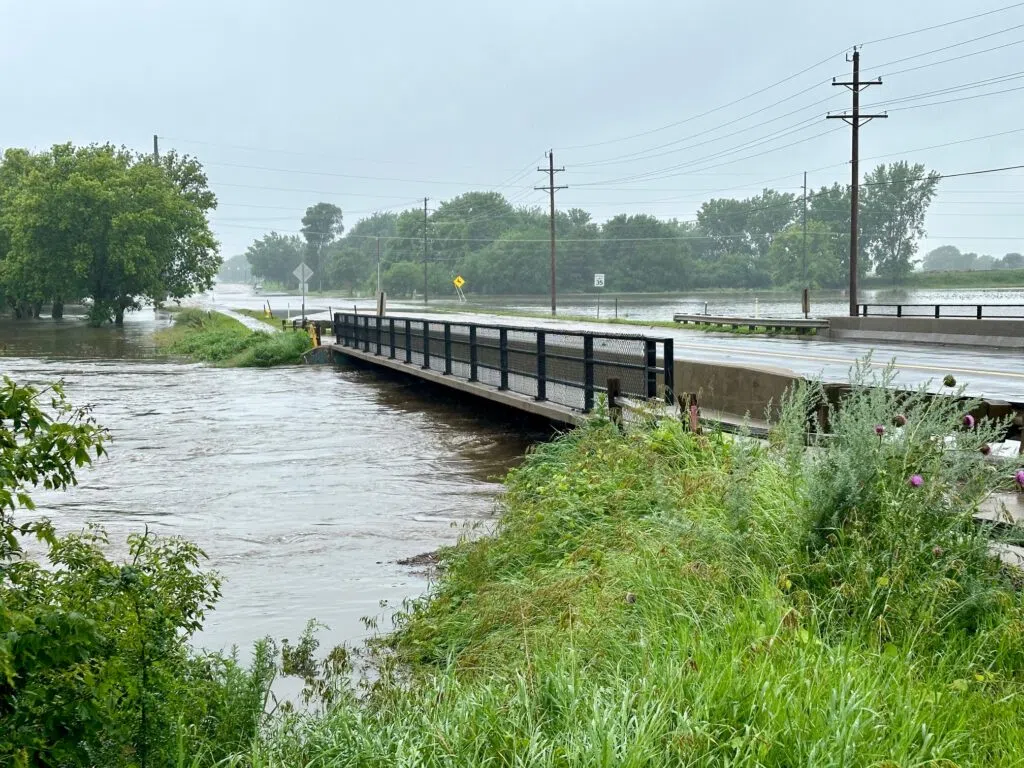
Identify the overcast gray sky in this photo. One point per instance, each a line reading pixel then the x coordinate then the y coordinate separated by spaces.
pixel 435 99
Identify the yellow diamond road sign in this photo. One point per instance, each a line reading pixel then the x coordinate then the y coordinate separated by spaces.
pixel 458 281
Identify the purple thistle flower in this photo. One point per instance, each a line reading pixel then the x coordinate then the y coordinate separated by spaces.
pixel 901 420
pixel 985 449
pixel 969 421
pixel 916 481
pixel 1020 477
pixel 879 430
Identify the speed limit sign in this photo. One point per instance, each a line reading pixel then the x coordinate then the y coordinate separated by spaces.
pixel 599 280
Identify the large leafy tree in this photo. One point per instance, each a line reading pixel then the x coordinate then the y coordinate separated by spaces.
pixel 274 257
pixel 321 227
pixel 817 261
pixel 895 201
pixel 947 258
pixel 103 224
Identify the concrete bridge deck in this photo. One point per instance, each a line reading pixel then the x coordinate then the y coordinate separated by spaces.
pixel 986 373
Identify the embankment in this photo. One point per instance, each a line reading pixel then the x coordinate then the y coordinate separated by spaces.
pixel 214 338
pixel 656 597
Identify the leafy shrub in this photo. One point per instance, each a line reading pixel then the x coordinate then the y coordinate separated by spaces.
pixel 95 666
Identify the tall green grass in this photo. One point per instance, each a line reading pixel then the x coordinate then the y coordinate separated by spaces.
pixel 218 339
pixel 653 597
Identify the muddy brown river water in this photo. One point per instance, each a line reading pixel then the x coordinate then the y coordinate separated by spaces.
pixel 304 485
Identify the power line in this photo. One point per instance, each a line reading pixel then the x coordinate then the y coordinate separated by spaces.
pixel 706 113
pixel 954 58
pixel 944 24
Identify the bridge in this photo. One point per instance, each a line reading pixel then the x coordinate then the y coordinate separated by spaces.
pixel 557 370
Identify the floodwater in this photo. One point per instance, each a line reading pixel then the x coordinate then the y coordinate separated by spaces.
pixel 304 485
pixel 750 303
pixel 648 307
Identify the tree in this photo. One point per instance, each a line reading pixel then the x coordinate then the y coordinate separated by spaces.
pixel 947 258
pixel 235 270
pixel 895 201
pixel 984 262
pixel 1013 261
pixel 274 257
pixel 321 226
pixel 403 278
pixel 100 223
pixel 826 257
pixel 95 663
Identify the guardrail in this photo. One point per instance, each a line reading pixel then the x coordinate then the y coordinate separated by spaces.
pixel 800 325
pixel 568 368
pixel 962 311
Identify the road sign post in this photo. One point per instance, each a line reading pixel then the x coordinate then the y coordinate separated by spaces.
pixel 599 283
pixel 303 273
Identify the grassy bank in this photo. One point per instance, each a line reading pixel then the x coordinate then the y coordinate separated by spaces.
pixel 215 338
pixel 993 278
pixel 655 598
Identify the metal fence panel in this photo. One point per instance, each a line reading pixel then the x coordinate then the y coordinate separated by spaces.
pixel 567 368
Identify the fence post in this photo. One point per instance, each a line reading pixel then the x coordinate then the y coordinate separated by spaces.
pixel 588 373
pixel 447 348
pixel 391 337
pixel 614 389
pixel 366 333
pixel 899 310
pixel 979 311
pixel 669 364
pixel 937 310
pixel 503 357
pixel 542 366
pixel 380 333
pixel 472 353
pixel 864 310
pixel 337 327
pixel 426 344
pixel 408 340
pixel 651 367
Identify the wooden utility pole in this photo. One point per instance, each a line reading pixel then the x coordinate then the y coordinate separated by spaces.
pixel 425 298
pixel 156 148
pixel 551 188
pixel 805 229
pixel 855 120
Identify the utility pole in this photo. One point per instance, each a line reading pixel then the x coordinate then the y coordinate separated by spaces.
pixel 805 229
pixel 378 267
pixel 855 120
pixel 551 188
pixel 156 148
pixel 425 298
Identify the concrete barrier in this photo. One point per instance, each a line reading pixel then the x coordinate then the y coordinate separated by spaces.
pixel 1005 334
pixel 735 393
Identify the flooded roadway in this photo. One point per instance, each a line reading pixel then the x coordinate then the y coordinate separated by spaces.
pixel 304 485
pixel 986 372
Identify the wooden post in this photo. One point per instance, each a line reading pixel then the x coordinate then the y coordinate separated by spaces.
pixel 614 389
pixel 694 414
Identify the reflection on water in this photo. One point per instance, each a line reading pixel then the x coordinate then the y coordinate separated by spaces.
pixel 304 485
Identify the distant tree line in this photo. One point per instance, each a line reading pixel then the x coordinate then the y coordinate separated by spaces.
pixel 104 226
pixel 948 258
pixel 500 248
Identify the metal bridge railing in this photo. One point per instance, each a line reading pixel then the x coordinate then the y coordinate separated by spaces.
pixel 963 311
pixel 568 368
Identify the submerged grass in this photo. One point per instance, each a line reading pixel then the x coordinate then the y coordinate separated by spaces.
pixel 215 338
pixel 654 597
